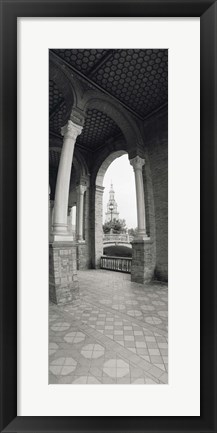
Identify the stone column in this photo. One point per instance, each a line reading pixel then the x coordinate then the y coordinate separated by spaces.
pixel 60 227
pixel 98 225
pixel 137 164
pixel 80 193
pixel 142 269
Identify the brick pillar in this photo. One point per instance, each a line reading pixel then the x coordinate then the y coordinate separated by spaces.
pixel 142 261
pixel 98 225
pixel 84 248
pixel 96 221
pixel 63 282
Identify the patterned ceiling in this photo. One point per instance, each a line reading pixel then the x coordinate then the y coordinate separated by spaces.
pixel 98 128
pixel 138 79
pixel 84 60
pixel 57 108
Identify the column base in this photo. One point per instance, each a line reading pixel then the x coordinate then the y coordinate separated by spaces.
pixel 63 280
pixel 142 269
pixel 142 236
pixel 80 241
pixel 61 237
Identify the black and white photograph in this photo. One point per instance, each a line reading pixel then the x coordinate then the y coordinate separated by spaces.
pixel 108 216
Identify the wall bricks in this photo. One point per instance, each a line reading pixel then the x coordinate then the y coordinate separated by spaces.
pixel 63 281
pixel 156 140
pixel 96 225
pixel 83 256
pixel 142 269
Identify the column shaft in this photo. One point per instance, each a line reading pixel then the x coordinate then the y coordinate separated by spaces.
pixel 80 191
pixel 70 132
pixel 137 164
pixel 140 200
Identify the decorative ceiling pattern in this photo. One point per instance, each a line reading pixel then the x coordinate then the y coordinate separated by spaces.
pixel 57 108
pixel 57 120
pixel 137 78
pixel 55 96
pixel 84 60
pixel 98 128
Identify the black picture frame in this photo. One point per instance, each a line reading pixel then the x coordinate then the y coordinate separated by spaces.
pixel 10 10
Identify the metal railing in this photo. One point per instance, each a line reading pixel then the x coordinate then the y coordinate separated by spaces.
pixel 112 263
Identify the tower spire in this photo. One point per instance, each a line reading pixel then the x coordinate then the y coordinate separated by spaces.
pixel 112 211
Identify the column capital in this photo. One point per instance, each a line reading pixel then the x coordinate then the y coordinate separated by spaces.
pixel 137 162
pixel 77 116
pixel 71 130
pixel 81 189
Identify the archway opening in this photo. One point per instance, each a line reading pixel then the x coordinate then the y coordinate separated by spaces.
pixel 119 208
pixel 115 208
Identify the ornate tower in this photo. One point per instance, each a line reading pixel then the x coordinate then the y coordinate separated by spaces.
pixel 112 208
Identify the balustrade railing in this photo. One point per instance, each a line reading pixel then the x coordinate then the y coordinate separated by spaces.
pixel 112 263
pixel 117 238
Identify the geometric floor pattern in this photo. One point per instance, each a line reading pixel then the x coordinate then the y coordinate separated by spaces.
pixel 115 333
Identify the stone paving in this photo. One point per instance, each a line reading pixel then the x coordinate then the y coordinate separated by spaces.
pixel 115 333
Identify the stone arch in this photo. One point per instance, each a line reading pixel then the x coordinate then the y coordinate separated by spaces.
pixel 117 146
pixel 64 84
pixel 70 87
pixel 125 121
pixel 105 165
pixel 103 162
pixel 81 175
pixel 101 166
pixel 80 162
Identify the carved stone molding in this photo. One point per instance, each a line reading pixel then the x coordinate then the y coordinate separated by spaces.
pixel 71 130
pixel 81 189
pixel 137 163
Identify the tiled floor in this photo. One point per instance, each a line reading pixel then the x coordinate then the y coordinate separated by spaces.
pixel 115 333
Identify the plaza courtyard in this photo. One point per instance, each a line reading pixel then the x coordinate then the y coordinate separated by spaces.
pixel 115 332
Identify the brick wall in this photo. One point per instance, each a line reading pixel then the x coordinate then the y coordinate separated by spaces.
pixel 96 220
pixel 83 256
pixel 63 281
pixel 142 269
pixel 156 143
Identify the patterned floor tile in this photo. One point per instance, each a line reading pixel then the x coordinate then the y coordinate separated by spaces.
pixel 114 333
pixel 93 351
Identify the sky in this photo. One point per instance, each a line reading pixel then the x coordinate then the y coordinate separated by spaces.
pixel 121 174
